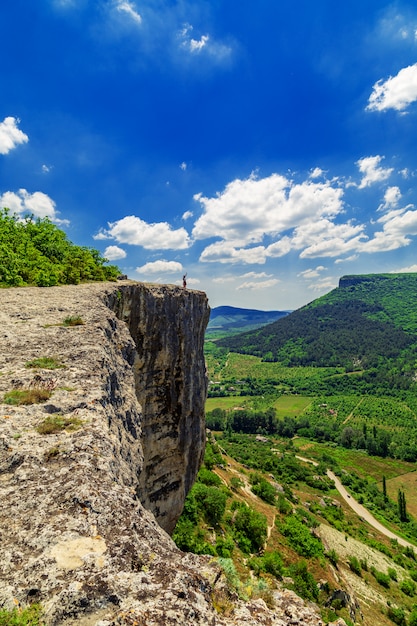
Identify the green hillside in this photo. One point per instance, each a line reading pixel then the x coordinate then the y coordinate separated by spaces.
pixel 366 322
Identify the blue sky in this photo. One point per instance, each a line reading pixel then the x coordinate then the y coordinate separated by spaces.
pixel 264 148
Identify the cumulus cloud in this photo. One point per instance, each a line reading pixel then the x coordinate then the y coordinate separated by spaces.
pixel 113 253
pixel 248 210
pixel 37 204
pixel 397 92
pixel 160 267
pixel 392 197
pixel 187 215
pixel 225 252
pixel 10 135
pixel 372 171
pixel 135 231
pixel 405 270
pixel 398 227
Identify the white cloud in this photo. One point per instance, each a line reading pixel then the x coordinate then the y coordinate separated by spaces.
pixel 256 275
pixel 392 197
pixel 398 226
pixel 397 92
pixel 324 284
pixel 352 257
pixel 265 284
pixel 46 168
pixel 204 43
pixel 248 210
pixel 129 9
pixel 312 273
pixel 113 253
pixel 405 270
pixel 371 170
pixel 10 135
pixel 134 231
pixel 224 252
pixel 160 267
pixel 37 204
pixel 183 166
pixel 187 215
pixel 316 172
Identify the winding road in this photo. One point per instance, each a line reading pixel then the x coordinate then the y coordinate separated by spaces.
pixel 361 510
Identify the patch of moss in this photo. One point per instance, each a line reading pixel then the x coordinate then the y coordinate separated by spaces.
pixel 56 423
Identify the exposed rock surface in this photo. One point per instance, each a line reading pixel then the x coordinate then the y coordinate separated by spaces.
pixel 83 511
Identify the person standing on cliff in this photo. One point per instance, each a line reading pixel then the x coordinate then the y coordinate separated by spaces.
pixel 184 281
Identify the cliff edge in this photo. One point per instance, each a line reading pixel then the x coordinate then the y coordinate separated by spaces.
pixel 94 477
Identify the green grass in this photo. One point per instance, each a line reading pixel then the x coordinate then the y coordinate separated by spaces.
pixel 229 402
pixel 56 423
pixel 19 397
pixel 44 362
pixel 73 320
pixel 354 460
pixel 27 616
pixel 291 405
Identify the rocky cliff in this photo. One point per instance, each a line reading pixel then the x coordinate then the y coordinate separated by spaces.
pixel 92 477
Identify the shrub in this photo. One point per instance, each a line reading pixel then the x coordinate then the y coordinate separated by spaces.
pixel 392 573
pixel 408 587
pixel 396 615
pixel 250 528
pixel 22 616
pixel 381 578
pixel 270 563
pixel 73 320
pixel 300 538
pixel 332 556
pixel 355 565
pixel 304 582
pixel 209 478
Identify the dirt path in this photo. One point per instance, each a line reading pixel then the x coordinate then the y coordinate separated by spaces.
pixel 354 409
pixel 361 510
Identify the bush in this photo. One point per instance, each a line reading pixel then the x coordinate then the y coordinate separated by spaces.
pixel 250 529
pixel 304 582
pixel 355 565
pixel 211 502
pixel 300 538
pixel 408 587
pixel 270 563
pixel 397 616
pixel 36 252
pixel 27 616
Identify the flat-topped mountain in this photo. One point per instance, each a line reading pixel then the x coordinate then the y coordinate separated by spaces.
pixel 366 320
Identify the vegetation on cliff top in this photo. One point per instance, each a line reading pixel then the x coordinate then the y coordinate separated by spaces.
pixel 36 252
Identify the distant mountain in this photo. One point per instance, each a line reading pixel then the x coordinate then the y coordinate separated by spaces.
pixel 366 320
pixel 231 319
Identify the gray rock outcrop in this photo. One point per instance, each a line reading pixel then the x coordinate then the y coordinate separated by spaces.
pixel 85 509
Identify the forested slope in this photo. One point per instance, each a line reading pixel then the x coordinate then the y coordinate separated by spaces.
pixel 365 321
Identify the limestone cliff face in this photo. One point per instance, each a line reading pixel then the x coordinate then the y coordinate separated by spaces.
pixel 84 508
pixel 167 327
